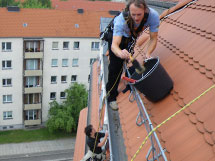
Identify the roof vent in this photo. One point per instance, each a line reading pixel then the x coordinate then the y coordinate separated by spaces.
pixel 80 10
pixel 76 25
pixel 13 8
pixel 112 12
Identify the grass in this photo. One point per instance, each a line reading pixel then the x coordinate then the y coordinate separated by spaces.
pixel 19 136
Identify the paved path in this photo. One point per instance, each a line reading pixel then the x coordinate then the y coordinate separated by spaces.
pixel 36 147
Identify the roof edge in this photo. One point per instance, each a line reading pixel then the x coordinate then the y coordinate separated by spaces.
pixel 175 8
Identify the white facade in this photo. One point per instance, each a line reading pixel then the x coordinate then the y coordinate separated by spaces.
pixel 82 70
pixel 11 109
pixel 23 104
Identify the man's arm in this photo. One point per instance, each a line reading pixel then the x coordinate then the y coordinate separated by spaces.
pixel 123 54
pixel 103 141
pixel 152 43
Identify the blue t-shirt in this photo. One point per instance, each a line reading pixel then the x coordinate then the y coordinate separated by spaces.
pixel 121 27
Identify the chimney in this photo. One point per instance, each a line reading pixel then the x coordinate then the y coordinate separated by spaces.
pixel 80 10
pixel 13 8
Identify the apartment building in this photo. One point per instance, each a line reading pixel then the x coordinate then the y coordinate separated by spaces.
pixel 42 52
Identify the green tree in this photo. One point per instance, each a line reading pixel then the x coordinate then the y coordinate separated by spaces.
pixel 5 3
pixel 65 116
pixel 36 4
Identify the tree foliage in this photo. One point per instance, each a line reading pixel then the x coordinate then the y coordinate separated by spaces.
pixel 5 3
pixel 65 116
pixel 36 4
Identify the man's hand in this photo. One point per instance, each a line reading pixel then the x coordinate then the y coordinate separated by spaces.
pixel 124 54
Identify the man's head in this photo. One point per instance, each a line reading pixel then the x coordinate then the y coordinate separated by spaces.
pixel 90 131
pixel 136 10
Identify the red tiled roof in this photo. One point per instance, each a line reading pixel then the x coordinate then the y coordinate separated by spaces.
pixel 50 23
pixel 81 137
pixel 88 5
pixel 185 48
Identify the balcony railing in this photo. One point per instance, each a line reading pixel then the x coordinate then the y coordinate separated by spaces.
pixel 35 106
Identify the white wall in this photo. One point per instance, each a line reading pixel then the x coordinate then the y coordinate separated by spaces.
pixel 16 73
pixel 82 71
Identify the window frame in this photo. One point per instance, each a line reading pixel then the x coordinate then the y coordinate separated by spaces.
pixel 66 65
pixel 53 47
pixel 6 44
pixel 55 79
pixel 54 65
pixel 6 116
pixel 7 100
pixel 6 84
pixel 74 45
pixel 76 63
pixel 75 78
pixel 66 48
pixel 64 81
pixel 5 64
pixel 52 98
pixel 94 44
pixel 63 97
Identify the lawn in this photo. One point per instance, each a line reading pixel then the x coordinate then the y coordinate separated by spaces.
pixel 18 136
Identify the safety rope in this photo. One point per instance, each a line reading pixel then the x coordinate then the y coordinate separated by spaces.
pixel 103 102
pixel 173 115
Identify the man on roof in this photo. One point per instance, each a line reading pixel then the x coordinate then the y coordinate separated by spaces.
pixel 127 25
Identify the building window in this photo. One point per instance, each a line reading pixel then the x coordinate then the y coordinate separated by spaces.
pixel 65 45
pixel 75 62
pixel 76 45
pixel 52 95
pixel 7 98
pixel 63 79
pixel 64 62
pixel 32 115
pixel 6 46
pixel 95 46
pixel 6 64
pixel 62 95
pixel 53 79
pixel 32 98
pixel 6 82
pixel 32 82
pixel 54 62
pixel 92 61
pixel 74 78
pixel 32 65
pixel 32 46
pixel 7 115
pixel 55 45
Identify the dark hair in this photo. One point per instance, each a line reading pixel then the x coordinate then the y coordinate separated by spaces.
pixel 88 130
pixel 138 3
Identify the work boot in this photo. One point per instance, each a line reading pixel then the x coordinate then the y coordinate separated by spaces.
pixel 113 105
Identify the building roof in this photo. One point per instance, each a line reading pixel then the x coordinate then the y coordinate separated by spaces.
pixel 50 23
pixel 88 5
pixel 81 138
pixel 186 50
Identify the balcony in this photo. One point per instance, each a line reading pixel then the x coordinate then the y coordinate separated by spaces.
pixel 37 89
pixel 32 106
pixel 33 73
pixel 32 122
pixel 32 55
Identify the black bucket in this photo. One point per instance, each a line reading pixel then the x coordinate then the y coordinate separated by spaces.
pixel 154 83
